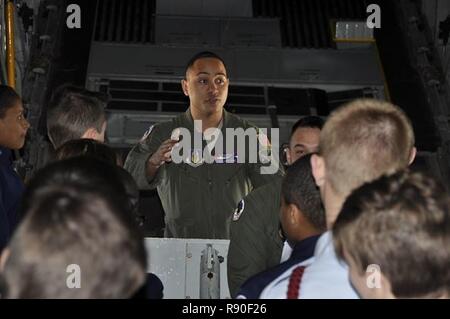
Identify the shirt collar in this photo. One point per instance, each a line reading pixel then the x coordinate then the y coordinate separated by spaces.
pixel 5 155
pixel 305 247
pixel 189 121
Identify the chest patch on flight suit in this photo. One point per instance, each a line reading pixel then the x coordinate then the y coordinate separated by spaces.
pixel 196 158
pixel 239 210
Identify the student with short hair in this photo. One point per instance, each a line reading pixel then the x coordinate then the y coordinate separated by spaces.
pixel 13 130
pixel 401 225
pixel 75 113
pixel 94 163
pixel 75 213
pixel 360 142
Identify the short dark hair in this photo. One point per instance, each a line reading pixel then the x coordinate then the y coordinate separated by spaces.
pixel 72 111
pixel 299 188
pixel 202 55
pixel 87 147
pixel 8 99
pixel 400 222
pixel 308 121
pixel 100 151
pixel 74 215
pixel 71 225
pixel 84 171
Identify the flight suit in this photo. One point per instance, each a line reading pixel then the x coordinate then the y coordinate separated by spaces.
pixel 255 241
pixel 198 200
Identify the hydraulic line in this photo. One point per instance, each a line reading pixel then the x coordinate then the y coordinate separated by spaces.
pixel 10 54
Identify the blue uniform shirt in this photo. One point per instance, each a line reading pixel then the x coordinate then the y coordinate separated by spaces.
pixel 152 288
pixel 11 189
pixel 253 287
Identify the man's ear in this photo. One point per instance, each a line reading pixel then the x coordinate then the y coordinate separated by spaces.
pixel 51 139
pixel 382 288
pixel 90 133
pixel 184 86
pixel 287 151
pixel 318 169
pixel 295 215
pixel 292 214
pixel 412 156
pixel 386 288
pixel 3 258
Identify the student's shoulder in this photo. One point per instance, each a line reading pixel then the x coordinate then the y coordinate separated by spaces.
pixel 266 193
pixel 271 188
pixel 260 204
pixel 256 284
pixel 327 276
pixel 277 288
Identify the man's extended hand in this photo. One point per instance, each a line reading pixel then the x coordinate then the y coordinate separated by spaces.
pixel 163 154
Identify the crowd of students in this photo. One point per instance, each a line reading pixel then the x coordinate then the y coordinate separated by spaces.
pixel 355 221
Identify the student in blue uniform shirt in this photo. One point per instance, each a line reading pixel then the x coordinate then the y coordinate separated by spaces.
pixel 303 220
pixel 13 129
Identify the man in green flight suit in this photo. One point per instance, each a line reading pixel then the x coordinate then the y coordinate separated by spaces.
pixel 199 193
pixel 256 243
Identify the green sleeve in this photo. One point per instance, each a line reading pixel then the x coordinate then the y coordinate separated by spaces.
pixel 258 178
pixel 254 241
pixel 136 160
pixel 261 173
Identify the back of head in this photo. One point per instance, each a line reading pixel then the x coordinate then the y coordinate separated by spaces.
pixel 402 224
pixel 84 171
pixel 100 151
pixel 76 213
pixel 8 99
pixel 72 111
pixel 363 140
pixel 87 147
pixel 299 188
pixel 70 231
